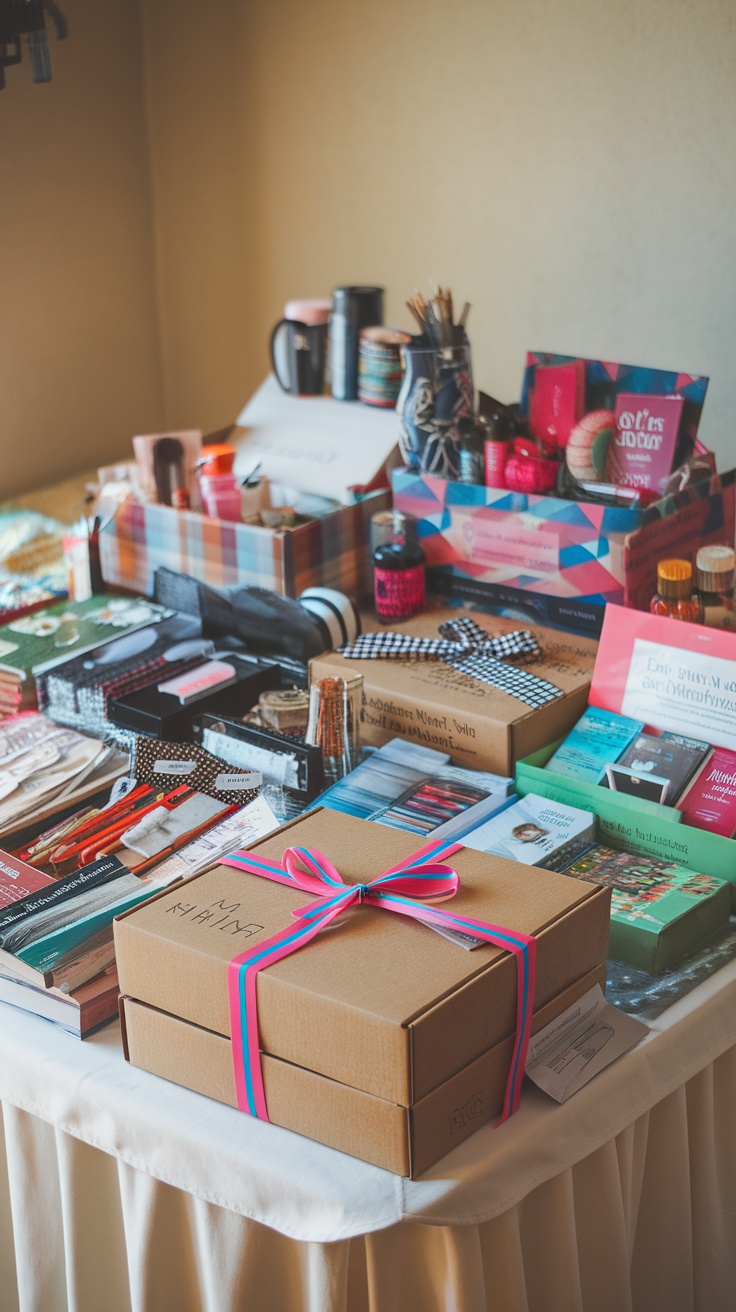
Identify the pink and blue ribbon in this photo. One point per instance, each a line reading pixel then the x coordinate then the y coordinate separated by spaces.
pixel 419 876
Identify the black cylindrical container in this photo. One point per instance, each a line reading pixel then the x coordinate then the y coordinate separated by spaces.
pixel 353 308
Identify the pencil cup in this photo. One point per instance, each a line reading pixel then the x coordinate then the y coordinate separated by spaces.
pixel 436 392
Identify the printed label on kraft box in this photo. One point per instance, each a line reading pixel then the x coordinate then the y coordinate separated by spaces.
pixel 450 732
pixel 503 542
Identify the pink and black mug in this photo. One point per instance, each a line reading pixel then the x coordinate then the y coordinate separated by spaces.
pixel 299 347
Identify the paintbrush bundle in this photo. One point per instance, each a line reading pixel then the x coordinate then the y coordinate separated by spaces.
pixel 437 388
pixel 435 318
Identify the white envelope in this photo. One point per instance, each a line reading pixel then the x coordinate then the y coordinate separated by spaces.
pixel 314 443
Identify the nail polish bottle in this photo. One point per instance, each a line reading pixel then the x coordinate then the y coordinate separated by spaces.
pixel 470 450
pixel 398 572
pixel 497 446
pixel 675 598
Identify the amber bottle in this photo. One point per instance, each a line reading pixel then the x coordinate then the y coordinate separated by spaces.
pixel 675 598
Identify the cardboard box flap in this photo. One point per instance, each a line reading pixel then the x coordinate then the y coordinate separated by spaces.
pixel 314 443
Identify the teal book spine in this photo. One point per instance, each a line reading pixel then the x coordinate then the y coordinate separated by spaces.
pixel 598 739
pixel 44 952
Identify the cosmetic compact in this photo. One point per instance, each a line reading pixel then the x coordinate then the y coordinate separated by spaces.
pixel 227 684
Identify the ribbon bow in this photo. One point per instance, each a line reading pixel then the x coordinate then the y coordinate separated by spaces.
pixel 467 647
pixel 419 875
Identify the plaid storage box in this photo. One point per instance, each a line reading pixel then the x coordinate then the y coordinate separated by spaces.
pixel 330 552
pixel 563 560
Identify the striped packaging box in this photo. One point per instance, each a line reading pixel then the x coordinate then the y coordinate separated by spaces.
pixel 329 552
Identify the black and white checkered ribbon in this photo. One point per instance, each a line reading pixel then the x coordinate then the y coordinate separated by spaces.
pixel 467 647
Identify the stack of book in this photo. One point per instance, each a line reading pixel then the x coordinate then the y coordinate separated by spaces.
pixel 56 948
pixel 17 693
pixel 57 955
pixel 78 1012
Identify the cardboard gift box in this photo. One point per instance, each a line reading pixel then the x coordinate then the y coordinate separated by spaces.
pixel 564 560
pixel 312 445
pixel 432 704
pixel 380 1037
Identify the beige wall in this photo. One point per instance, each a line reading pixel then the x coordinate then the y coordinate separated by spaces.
pixel 79 354
pixel 568 167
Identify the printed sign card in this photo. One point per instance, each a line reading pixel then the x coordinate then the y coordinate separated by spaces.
pixel 644 443
pixel 672 676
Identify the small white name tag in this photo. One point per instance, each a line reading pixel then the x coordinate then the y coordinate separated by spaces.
pixel 241 782
pixel 174 767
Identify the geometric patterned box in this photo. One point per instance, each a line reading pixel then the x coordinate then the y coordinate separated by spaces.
pixel 562 560
pixel 332 551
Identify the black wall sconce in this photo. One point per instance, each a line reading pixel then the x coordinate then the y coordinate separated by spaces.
pixel 24 21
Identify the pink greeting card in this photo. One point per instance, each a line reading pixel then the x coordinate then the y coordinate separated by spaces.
pixel 671 675
pixel 644 443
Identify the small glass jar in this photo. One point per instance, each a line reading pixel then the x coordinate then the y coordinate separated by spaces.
pixel 399 583
pixel 674 597
pixel 714 579
pixel 335 705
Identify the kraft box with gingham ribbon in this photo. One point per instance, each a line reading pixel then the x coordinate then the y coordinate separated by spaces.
pixel 485 714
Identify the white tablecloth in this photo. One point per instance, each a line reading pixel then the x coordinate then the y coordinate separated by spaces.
pixel 623 1198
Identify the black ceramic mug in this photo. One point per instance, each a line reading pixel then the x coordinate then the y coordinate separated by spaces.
pixel 299 347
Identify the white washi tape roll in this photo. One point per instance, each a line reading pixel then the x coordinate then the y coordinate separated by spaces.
pixel 335 610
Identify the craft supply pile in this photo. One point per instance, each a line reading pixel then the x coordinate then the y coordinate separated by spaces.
pixel 353 739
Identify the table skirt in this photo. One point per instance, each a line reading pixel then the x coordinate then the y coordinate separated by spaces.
pixel 645 1223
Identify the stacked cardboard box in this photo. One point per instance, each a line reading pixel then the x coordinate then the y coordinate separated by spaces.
pixel 380 1037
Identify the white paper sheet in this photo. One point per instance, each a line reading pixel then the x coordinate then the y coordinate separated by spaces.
pixel 567 1053
pixel 314 443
